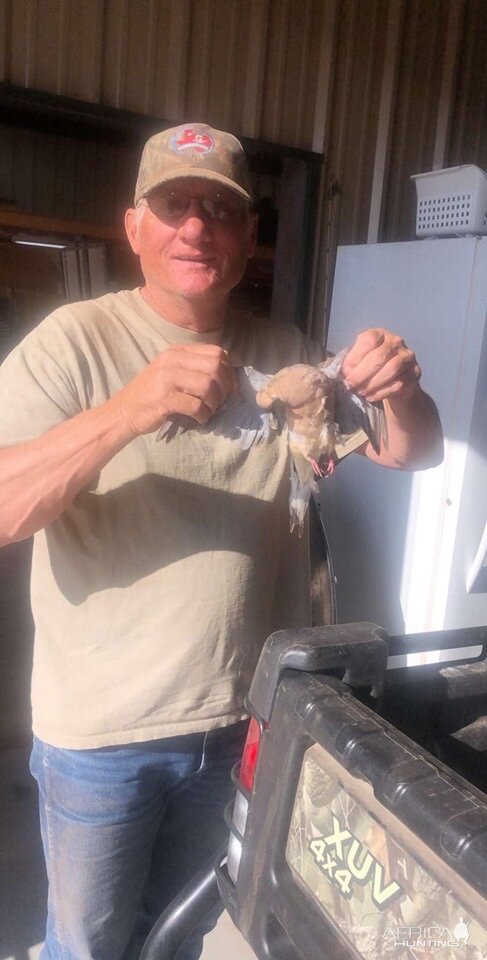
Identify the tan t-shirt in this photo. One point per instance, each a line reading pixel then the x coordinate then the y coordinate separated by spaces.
pixel 153 592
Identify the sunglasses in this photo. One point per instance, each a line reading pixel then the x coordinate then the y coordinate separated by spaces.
pixel 174 206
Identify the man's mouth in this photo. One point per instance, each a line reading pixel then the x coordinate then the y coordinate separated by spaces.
pixel 195 259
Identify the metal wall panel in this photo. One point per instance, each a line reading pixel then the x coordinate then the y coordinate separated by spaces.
pixel 350 140
pixel 252 65
pixel 468 131
pixel 248 64
pixel 54 45
pixel 417 105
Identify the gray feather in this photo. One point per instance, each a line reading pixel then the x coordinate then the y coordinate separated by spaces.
pixel 353 412
pixel 239 419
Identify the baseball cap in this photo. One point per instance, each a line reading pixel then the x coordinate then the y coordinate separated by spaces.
pixel 193 150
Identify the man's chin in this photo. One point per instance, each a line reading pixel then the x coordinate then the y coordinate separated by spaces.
pixel 201 286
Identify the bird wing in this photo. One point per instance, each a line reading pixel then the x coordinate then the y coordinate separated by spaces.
pixel 353 412
pixel 240 418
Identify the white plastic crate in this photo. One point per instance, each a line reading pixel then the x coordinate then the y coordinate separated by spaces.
pixel 451 202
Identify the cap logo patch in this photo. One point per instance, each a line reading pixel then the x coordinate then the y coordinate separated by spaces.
pixel 190 139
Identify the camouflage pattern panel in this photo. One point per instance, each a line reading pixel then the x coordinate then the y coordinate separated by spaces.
pixel 387 892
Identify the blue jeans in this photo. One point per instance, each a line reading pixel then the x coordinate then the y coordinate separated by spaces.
pixel 124 828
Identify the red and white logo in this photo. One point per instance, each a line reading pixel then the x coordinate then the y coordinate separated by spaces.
pixel 189 138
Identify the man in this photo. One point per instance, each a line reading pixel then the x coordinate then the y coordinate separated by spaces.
pixel 157 567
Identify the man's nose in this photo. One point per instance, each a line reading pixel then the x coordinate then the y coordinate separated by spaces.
pixel 195 225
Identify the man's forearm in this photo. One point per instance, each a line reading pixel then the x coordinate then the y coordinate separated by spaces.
pixel 40 478
pixel 414 434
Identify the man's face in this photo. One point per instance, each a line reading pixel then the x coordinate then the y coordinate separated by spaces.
pixel 194 238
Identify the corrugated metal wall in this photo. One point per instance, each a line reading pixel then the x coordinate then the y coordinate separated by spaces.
pixel 246 64
pixel 385 88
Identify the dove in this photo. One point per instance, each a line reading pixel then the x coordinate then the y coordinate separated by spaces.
pixel 310 404
pixel 321 414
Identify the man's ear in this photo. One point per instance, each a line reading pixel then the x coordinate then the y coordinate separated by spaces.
pixel 132 229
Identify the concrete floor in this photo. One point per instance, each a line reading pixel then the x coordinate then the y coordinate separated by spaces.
pixel 23 881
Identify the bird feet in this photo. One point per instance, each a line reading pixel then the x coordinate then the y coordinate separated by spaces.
pixel 318 469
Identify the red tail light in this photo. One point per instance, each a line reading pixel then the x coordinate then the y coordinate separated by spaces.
pixel 250 755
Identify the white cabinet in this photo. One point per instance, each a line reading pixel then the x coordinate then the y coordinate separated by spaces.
pixel 408 549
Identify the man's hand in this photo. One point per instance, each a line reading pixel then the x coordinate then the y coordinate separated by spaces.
pixel 189 379
pixel 380 366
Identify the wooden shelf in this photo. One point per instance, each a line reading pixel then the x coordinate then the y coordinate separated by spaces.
pixel 14 220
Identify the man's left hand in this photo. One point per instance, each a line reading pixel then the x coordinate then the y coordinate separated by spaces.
pixel 379 366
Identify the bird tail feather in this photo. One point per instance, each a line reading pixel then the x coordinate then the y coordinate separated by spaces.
pixel 299 495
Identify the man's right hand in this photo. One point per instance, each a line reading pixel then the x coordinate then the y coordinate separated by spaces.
pixel 189 379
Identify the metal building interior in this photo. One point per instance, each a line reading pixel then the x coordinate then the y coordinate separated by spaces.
pixel 338 103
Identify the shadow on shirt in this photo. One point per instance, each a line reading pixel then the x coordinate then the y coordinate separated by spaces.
pixel 114 539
